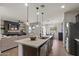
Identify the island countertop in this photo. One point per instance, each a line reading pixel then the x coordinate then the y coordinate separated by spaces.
pixel 36 43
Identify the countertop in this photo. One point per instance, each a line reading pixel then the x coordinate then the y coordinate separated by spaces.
pixel 36 43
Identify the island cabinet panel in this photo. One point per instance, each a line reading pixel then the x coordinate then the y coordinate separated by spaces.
pixel 30 51
pixel 51 43
pixel 43 49
pixel 48 47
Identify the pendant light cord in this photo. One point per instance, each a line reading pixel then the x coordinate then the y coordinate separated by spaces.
pixel 37 13
pixel 42 18
pixel 27 13
pixel 37 17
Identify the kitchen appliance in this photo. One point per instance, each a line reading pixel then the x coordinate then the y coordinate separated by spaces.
pixel 72 32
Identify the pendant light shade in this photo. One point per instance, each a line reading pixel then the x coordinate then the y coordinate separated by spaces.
pixel 27 23
pixel 37 13
pixel 33 27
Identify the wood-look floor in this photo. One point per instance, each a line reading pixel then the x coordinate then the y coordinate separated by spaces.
pixel 57 50
pixel 11 52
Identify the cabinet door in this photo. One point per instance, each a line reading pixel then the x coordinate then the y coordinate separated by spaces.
pixel 51 44
pixel 77 18
pixel 29 51
pixel 48 47
pixel 43 50
pixel 77 49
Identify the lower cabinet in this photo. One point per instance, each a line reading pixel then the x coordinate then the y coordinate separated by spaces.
pixel 77 49
pixel 41 51
pixel 30 51
pixel 51 43
pixel 46 48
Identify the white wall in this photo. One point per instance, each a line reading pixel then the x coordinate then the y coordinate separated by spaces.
pixel 13 12
pixel 70 16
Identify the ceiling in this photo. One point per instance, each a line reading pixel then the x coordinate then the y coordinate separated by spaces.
pixel 51 10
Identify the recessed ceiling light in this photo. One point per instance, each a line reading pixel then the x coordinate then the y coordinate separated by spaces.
pixel 62 6
pixel 26 4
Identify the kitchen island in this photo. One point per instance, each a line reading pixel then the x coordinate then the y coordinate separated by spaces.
pixel 38 47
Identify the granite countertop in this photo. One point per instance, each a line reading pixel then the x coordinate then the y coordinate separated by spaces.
pixel 36 43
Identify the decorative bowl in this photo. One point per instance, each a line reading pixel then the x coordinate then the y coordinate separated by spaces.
pixel 33 38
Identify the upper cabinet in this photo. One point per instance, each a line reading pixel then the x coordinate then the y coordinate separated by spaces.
pixel 77 18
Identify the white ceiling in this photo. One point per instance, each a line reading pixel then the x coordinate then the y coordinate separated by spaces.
pixel 51 10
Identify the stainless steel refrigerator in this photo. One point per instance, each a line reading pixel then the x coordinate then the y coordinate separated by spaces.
pixel 72 32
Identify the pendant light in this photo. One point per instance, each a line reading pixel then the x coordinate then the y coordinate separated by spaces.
pixel 27 23
pixel 42 17
pixel 42 14
pixel 37 25
pixel 33 27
